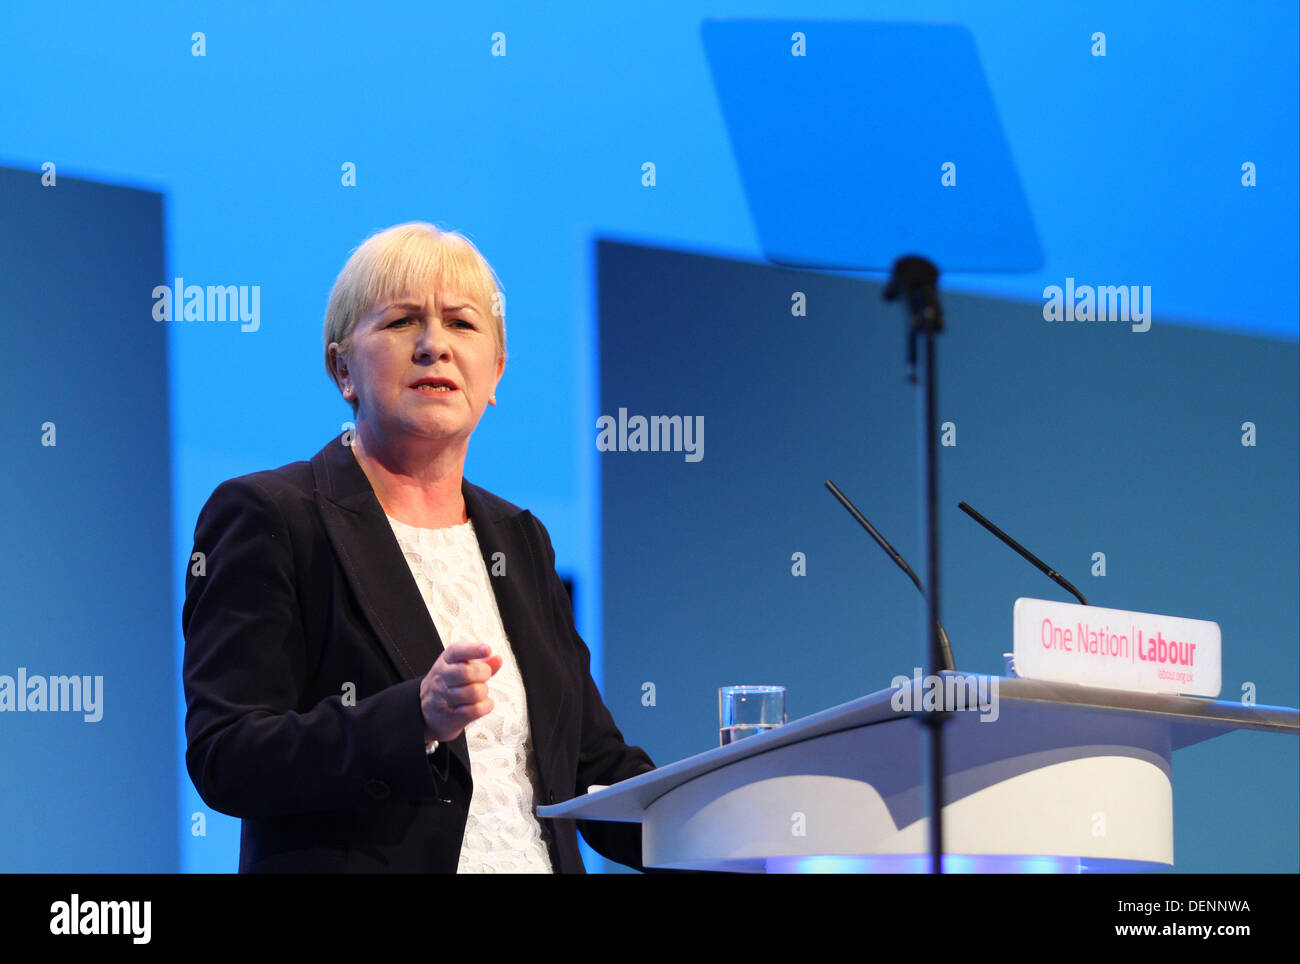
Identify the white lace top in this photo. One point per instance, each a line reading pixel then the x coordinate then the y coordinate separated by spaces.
pixel 502 834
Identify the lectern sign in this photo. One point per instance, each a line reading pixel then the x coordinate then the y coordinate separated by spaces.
pixel 1117 649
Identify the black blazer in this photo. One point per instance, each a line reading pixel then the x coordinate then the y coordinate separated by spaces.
pixel 306 638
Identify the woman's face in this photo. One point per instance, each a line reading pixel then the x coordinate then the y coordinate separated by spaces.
pixel 439 338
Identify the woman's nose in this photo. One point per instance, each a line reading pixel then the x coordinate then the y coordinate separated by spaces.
pixel 432 342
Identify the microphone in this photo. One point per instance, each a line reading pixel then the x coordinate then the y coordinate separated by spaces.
pixel 944 645
pixel 1042 567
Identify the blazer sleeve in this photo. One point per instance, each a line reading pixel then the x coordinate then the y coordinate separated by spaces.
pixel 254 748
pixel 604 756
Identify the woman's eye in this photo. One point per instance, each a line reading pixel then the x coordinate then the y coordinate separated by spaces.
pixel 462 321
pixel 401 321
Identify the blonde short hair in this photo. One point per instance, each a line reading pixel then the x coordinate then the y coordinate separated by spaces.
pixel 403 259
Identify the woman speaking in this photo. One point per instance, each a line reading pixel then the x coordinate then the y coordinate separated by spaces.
pixel 381 667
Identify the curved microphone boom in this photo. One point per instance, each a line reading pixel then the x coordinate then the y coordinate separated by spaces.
pixel 1046 570
pixel 890 551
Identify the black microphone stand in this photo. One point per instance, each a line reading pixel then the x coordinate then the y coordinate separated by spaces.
pixel 915 280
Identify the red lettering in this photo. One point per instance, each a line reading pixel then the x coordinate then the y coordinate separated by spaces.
pixel 1053 638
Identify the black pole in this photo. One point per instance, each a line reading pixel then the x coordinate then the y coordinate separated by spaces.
pixel 916 280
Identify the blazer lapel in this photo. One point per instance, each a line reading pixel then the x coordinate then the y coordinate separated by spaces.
pixel 520 585
pixel 373 562
pixel 381 579
pixel 375 568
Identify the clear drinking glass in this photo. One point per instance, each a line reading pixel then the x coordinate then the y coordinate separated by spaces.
pixel 746 710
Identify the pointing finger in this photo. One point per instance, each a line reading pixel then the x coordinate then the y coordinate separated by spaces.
pixel 462 652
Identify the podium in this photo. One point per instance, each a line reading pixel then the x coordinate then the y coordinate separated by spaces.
pixel 1042 777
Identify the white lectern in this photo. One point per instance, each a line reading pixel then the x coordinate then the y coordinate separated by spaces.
pixel 1068 778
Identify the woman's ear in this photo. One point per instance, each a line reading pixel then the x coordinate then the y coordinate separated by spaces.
pixel 340 362
pixel 501 370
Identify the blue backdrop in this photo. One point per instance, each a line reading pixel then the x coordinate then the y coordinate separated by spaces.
pixel 257 147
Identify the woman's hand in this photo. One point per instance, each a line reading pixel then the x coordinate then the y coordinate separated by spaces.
pixel 454 693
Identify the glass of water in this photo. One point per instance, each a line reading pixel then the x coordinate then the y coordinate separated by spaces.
pixel 746 710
